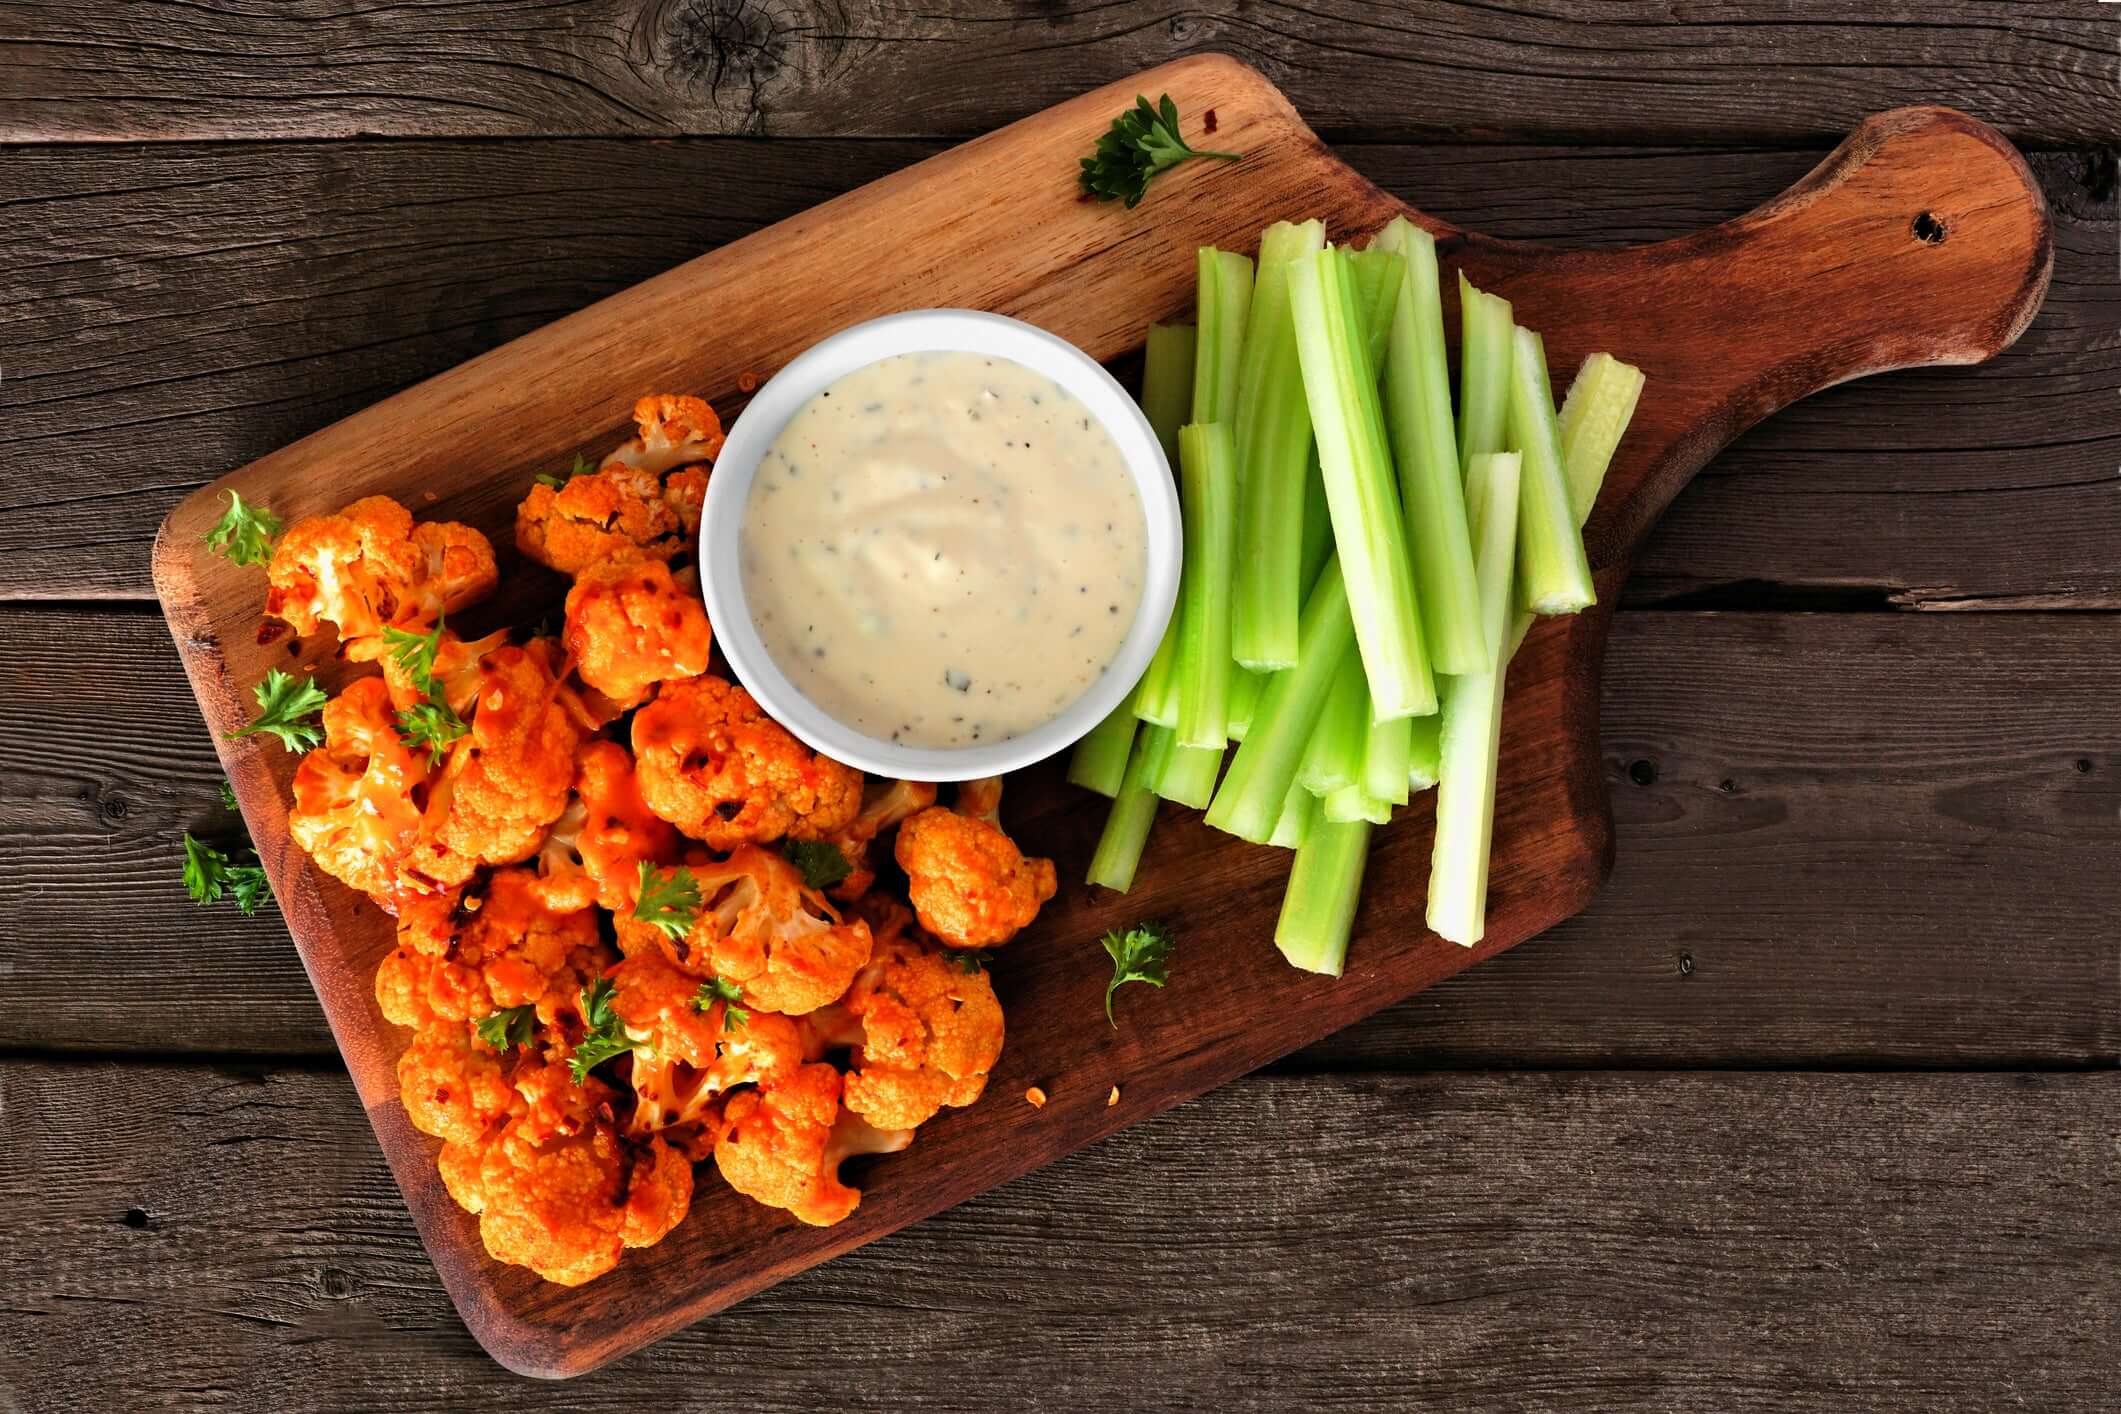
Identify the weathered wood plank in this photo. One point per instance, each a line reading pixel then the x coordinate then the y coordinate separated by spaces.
pixel 1506 1241
pixel 1862 839
pixel 1563 69
pixel 217 302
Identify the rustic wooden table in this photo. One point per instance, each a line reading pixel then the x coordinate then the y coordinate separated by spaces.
pixel 1816 1108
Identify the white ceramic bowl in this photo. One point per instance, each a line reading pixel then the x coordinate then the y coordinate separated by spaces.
pixel 919 331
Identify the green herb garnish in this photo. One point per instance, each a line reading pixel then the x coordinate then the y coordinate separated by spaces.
pixel 244 534
pixel 669 901
pixel 509 1027
pixel 1140 954
pixel 969 960
pixel 821 863
pixel 603 1037
pixel 285 703
pixel 1141 142
pixel 209 874
pixel 431 726
pixel 581 467
pixel 729 994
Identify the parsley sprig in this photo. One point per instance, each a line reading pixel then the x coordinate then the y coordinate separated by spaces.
pixel 604 1036
pixel 969 960
pixel 509 1027
pixel 669 901
pixel 1142 142
pixel 729 994
pixel 285 705
pixel 245 533
pixel 209 874
pixel 821 863
pixel 1140 954
pixel 581 467
pixel 431 724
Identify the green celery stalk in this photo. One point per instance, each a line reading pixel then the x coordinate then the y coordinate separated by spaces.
pixel 1224 294
pixel 1318 526
pixel 1325 884
pixel 1299 812
pixel 1386 758
pixel 1099 762
pixel 1333 757
pixel 1188 776
pixel 1354 803
pixel 1126 833
pixel 1167 401
pixel 1485 322
pixel 1471 730
pixel 1361 495
pixel 1600 404
pixel 1424 752
pixel 1249 802
pixel 1273 448
pixel 1245 688
pixel 1207 458
pixel 1157 743
pixel 1424 447
pixel 1553 575
pixel 1377 274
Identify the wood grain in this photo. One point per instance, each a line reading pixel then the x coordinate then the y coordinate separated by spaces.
pixel 1706 316
pixel 170 322
pixel 1815 793
pixel 1576 70
pixel 1785 1243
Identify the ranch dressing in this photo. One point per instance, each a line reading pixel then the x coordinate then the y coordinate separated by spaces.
pixel 943 549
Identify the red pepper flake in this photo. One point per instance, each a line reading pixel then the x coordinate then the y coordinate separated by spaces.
pixel 1035 1097
pixel 272 631
pixel 747 382
pixel 1207 121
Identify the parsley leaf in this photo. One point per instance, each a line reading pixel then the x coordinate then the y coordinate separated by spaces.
pixel 432 725
pixel 509 1027
pixel 729 994
pixel 228 795
pixel 285 702
pixel 669 901
pixel 1141 954
pixel 1141 142
pixel 581 467
pixel 969 960
pixel 415 653
pixel 244 534
pixel 604 1037
pixel 208 874
pixel 821 863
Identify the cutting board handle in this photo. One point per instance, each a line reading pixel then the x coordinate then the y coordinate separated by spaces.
pixel 1923 239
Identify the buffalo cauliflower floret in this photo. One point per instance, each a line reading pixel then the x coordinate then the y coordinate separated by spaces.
pixel 508 949
pixel 930 1030
pixel 763 930
pixel 595 851
pixel 783 1144
pixel 455 671
pixel 453 1087
pixel 968 881
pixel 507 779
pixel 631 624
pixel 685 1055
pixel 884 805
pixel 354 810
pixel 721 770
pixel 658 1193
pixel 628 508
pixel 368 567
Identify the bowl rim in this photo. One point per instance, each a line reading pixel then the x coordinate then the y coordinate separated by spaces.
pixel 859 345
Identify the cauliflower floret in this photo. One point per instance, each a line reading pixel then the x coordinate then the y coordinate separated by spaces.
pixel 368 567
pixel 354 811
pixel 595 851
pixel 782 1145
pixel 930 1030
pixel 631 624
pixel 507 780
pixel 658 1194
pixel 721 770
pixel 761 928
pixel 685 1057
pixel 456 669
pixel 884 805
pixel 452 1086
pixel 509 949
pixel 628 508
pixel 968 881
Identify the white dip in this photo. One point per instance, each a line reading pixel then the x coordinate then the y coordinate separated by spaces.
pixel 943 549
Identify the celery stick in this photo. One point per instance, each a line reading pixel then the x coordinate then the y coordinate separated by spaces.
pixel 1425 448
pixel 1318 526
pixel 1333 757
pixel 1126 833
pixel 1100 759
pixel 1167 401
pixel 1299 811
pixel 1424 751
pixel 1156 743
pixel 1249 802
pixel 1600 404
pixel 1245 687
pixel 1483 371
pixel 1361 496
pixel 1386 758
pixel 1273 449
pixel 1207 458
pixel 1188 777
pixel 1552 574
pixel 1224 294
pixel 1325 884
pixel 1354 803
pixel 1472 719
pixel 1377 273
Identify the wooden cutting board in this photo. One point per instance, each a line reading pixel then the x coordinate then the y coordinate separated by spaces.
pixel 1921 240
